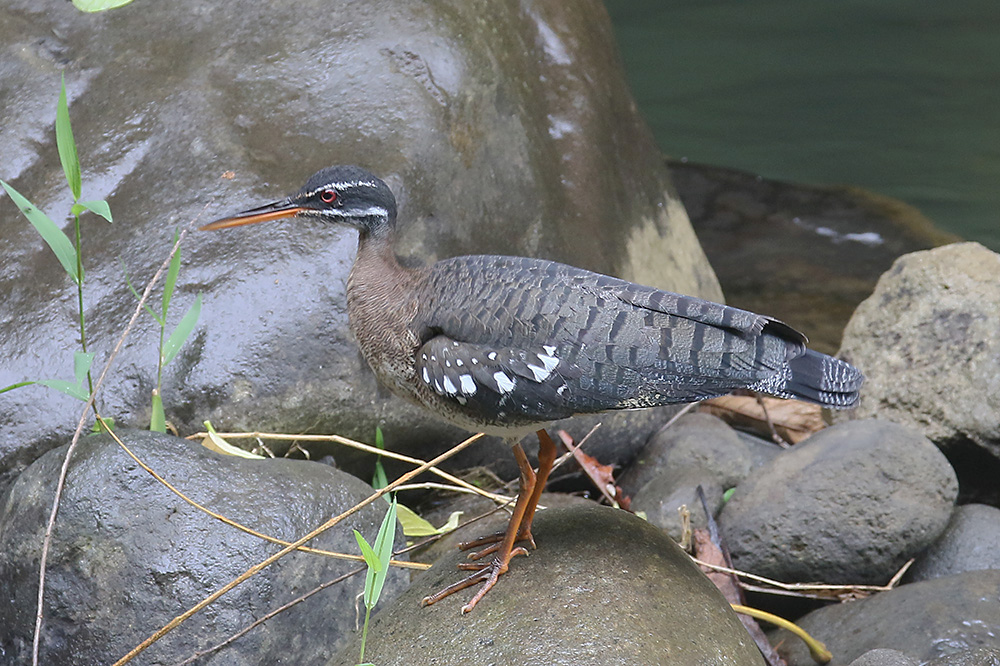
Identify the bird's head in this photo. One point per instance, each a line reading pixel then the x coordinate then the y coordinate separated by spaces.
pixel 347 194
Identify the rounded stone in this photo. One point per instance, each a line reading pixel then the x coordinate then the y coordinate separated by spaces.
pixel 128 555
pixel 603 587
pixel 941 620
pixel 970 542
pixel 848 505
pixel 927 342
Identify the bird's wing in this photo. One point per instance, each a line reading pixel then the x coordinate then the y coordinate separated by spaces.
pixel 615 344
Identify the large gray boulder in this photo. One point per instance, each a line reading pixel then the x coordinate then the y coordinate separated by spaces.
pixel 603 587
pixel 503 128
pixel 848 505
pixel 927 342
pixel 951 620
pixel 128 555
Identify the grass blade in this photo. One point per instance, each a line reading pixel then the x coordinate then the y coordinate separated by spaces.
pixel 383 549
pixel 14 386
pixel 66 144
pixel 54 237
pixel 181 333
pixel 168 286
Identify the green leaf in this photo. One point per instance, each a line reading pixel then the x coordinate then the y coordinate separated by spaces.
pixel 383 549
pixel 158 420
pixel 99 207
pixel 726 495
pixel 371 559
pixel 415 526
pixel 380 480
pixel 181 333
pixel 66 145
pixel 92 6
pixel 55 237
pixel 14 386
pixel 168 286
pixel 69 388
pixel 81 365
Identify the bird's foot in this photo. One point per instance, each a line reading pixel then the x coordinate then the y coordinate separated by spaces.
pixel 494 541
pixel 485 574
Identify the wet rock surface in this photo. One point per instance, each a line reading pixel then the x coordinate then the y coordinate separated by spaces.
pixel 883 657
pixel 970 542
pixel 946 619
pixel 926 340
pixel 128 555
pixel 603 588
pixel 503 129
pixel 804 254
pixel 849 505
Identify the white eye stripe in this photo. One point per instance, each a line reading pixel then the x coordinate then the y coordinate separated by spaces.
pixel 346 185
pixel 371 211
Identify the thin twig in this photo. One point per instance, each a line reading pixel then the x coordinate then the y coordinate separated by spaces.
pixel 254 570
pixel 281 609
pixel 248 530
pixel 355 445
pixel 806 587
pixel 60 484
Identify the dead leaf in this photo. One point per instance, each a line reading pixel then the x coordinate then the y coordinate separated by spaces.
pixel 793 420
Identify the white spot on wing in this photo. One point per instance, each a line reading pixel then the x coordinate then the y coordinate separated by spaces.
pixel 449 386
pixel 426 376
pixel 550 362
pixel 549 349
pixel 468 384
pixel 504 383
pixel 541 374
pixel 492 356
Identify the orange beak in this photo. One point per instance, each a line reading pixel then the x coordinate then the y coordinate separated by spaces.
pixel 279 210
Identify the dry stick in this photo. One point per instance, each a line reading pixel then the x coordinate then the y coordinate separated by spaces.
pixel 39 614
pixel 252 571
pixel 281 609
pixel 361 447
pixel 248 530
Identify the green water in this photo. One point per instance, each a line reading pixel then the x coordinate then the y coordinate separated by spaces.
pixel 900 97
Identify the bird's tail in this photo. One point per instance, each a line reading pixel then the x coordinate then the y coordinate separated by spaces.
pixel 822 379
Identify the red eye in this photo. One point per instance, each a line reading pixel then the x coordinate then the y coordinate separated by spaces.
pixel 328 196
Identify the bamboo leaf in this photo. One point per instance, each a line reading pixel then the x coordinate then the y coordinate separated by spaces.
pixel 181 333
pixel 54 237
pixel 99 207
pixel 371 559
pixel 81 365
pixel 168 286
pixel 66 144
pixel 214 442
pixel 69 388
pixel 383 549
pixel 92 6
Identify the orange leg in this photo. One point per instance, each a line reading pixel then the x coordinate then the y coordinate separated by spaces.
pixel 546 457
pixel 519 527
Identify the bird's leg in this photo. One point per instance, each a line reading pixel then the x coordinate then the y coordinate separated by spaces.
pixel 546 457
pixel 488 573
